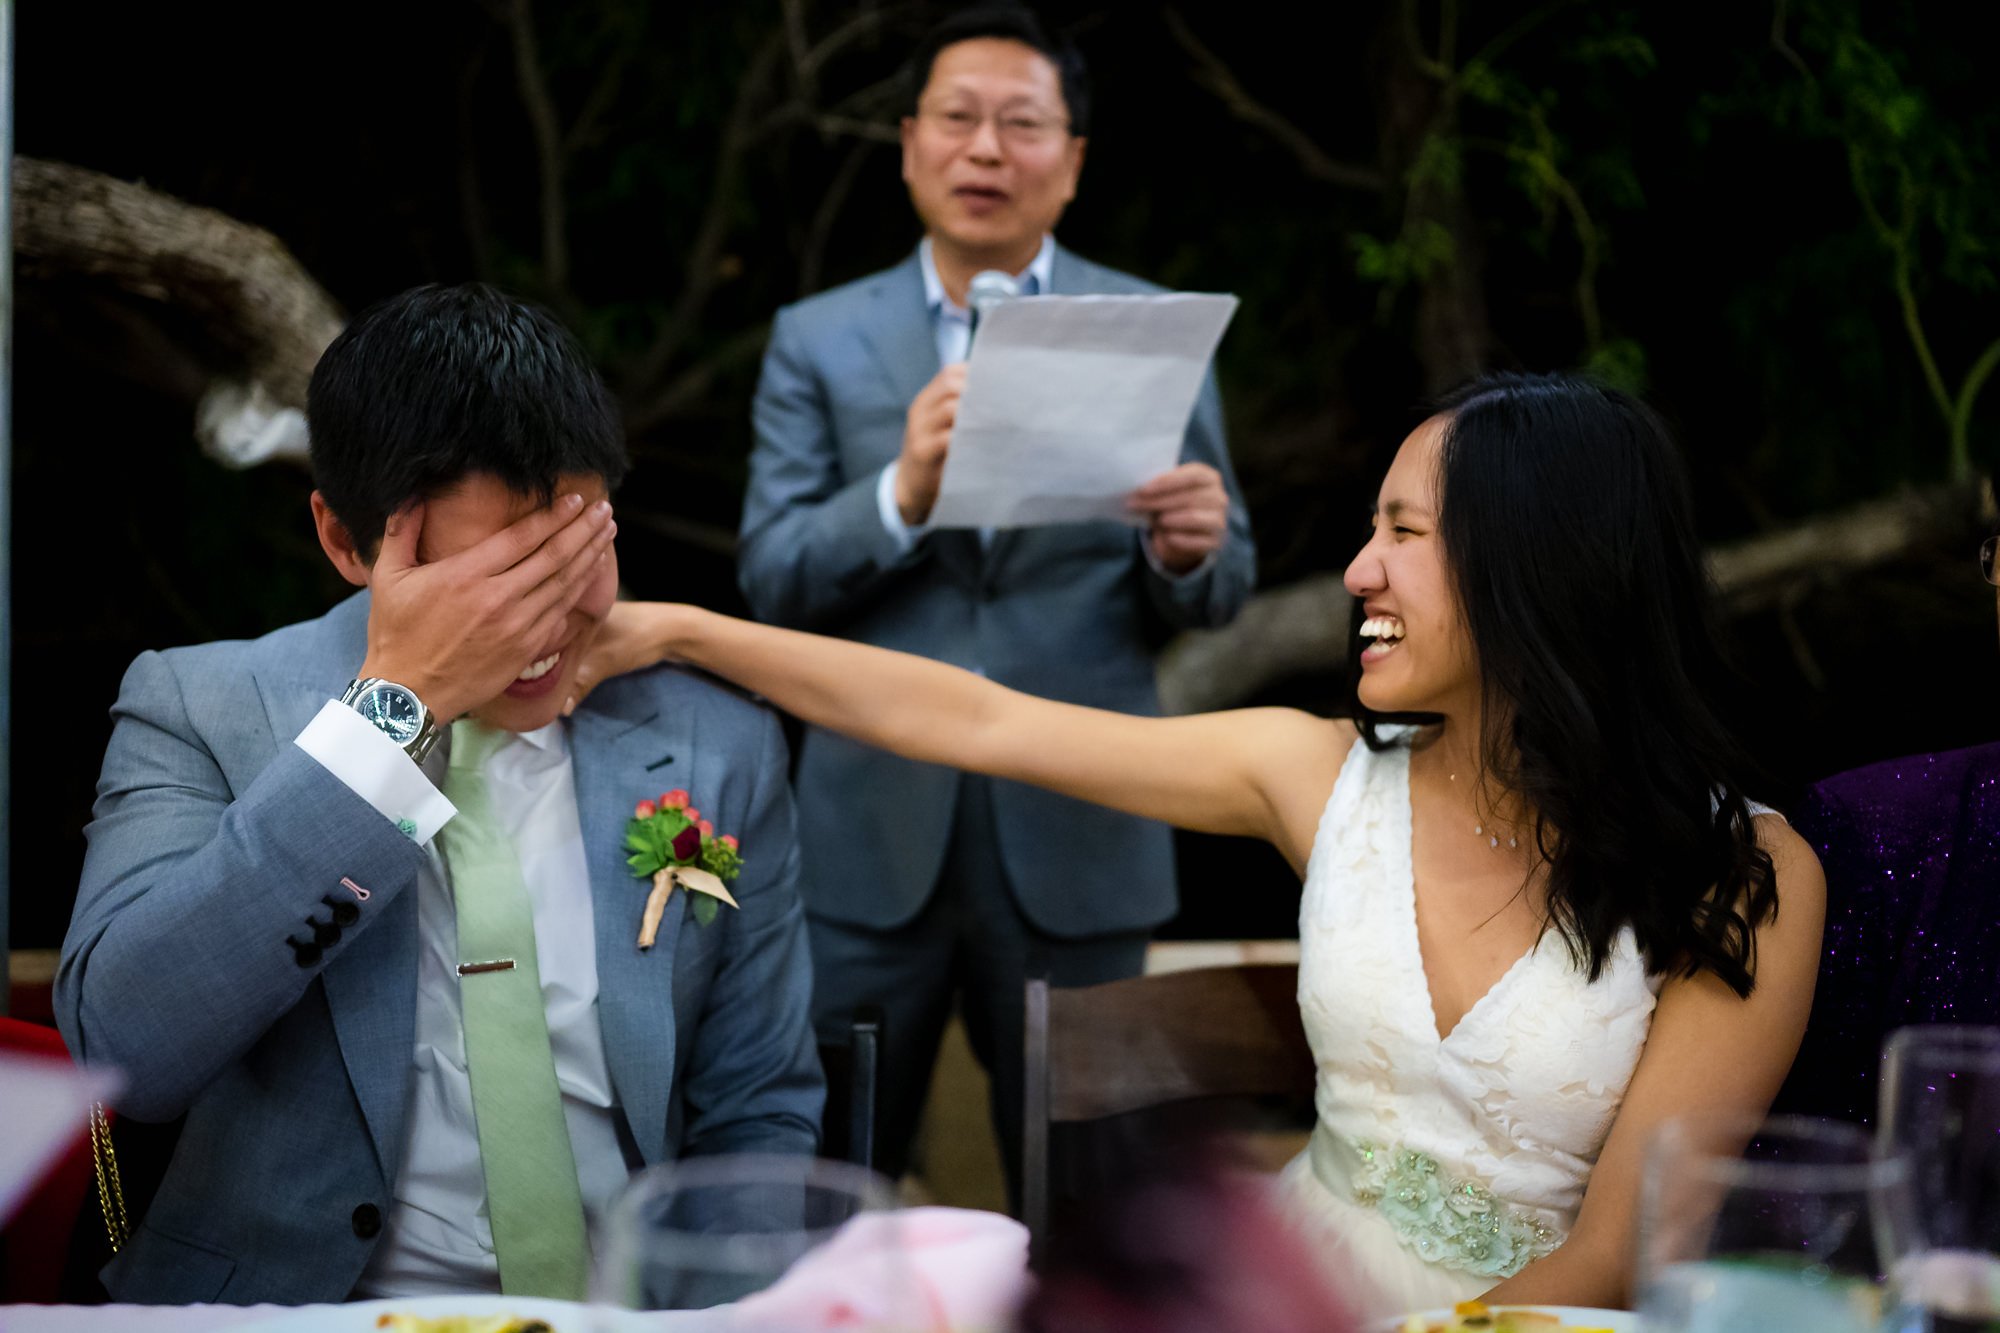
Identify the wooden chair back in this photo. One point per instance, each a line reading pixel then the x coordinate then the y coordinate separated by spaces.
pixel 853 1068
pixel 1099 1051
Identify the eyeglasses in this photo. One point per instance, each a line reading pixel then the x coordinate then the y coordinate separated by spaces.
pixel 1018 129
pixel 1986 559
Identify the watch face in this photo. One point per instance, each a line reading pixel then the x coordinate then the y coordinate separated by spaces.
pixel 394 710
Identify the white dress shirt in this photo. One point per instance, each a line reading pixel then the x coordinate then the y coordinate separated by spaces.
pixel 436 1239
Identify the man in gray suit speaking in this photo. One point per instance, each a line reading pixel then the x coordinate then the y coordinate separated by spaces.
pixel 356 901
pixel 924 887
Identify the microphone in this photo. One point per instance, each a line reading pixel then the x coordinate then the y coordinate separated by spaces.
pixel 989 288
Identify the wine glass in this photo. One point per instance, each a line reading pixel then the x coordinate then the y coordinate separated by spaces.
pixel 1790 1223
pixel 759 1242
pixel 1940 1105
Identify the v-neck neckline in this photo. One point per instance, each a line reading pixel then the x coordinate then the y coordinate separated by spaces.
pixel 1432 1031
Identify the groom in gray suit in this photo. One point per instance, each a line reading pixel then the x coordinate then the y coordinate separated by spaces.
pixel 356 901
pixel 925 888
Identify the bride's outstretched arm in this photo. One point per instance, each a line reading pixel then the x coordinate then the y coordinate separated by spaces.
pixel 1258 772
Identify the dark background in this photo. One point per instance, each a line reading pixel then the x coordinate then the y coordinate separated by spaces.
pixel 1675 196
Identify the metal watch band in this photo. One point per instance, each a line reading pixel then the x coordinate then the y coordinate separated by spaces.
pixel 417 747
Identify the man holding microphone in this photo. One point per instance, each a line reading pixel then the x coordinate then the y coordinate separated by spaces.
pixel 924 887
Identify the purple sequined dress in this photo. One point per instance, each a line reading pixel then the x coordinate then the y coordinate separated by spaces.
pixel 1911 850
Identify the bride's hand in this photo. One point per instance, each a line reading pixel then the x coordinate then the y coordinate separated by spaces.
pixel 634 636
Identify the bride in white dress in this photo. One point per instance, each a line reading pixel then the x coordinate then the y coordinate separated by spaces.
pixel 1538 920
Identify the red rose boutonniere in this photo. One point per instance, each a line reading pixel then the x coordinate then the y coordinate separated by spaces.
pixel 672 844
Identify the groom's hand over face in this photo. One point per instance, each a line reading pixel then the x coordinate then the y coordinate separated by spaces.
pixel 458 630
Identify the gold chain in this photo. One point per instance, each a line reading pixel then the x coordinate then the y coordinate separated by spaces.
pixel 110 1193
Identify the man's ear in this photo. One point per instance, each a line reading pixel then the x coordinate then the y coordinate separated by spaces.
pixel 1078 145
pixel 338 543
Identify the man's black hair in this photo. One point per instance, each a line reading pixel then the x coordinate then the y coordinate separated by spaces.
pixel 1014 23
pixel 439 383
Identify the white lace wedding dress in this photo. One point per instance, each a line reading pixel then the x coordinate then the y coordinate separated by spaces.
pixel 1441 1166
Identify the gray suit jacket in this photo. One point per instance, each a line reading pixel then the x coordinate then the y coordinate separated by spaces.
pixel 1069 612
pixel 215 839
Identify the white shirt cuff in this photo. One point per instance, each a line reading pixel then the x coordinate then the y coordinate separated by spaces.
pixel 376 769
pixel 903 534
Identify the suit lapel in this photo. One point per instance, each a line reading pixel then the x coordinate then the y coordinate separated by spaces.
pixel 371 992
pixel 1072 275
pixel 895 326
pixel 624 749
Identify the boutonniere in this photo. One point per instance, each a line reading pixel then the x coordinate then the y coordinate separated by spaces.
pixel 672 844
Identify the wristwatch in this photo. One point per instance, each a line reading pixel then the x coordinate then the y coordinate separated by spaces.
pixel 397 712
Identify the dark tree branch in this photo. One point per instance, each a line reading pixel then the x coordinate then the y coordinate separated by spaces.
pixel 812 254
pixel 1489 55
pixel 879 102
pixel 584 132
pixel 472 216
pixel 703 272
pixel 865 24
pixel 1211 73
pixel 687 388
pixel 829 124
pixel 1784 47
pixel 1301 629
pixel 805 79
pixel 834 126
pixel 239 281
pixel 747 125
pixel 1419 54
pixel 1541 165
pixel 262 311
pixel 550 156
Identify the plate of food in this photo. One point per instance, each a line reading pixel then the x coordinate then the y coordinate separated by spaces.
pixel 1478 1317
pixel 458 1314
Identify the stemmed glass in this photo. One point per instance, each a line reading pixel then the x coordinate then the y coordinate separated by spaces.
pixel 1790 1223
pixel 757 1242
pixel 1940 1105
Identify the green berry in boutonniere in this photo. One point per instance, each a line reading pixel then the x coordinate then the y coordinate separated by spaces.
pixel 672 844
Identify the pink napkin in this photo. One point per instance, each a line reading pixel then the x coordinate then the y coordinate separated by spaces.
pixel 935 1270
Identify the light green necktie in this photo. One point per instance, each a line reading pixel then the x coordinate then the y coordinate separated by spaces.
pixel 532 1197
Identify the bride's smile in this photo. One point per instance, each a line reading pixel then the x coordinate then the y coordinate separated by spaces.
pixel 1418 654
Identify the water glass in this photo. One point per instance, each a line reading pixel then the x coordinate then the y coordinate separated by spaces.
pixel 1789 1223
pixel 1940 1106
pixel 745 1238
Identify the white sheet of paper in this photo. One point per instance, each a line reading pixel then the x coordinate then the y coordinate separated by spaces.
pixel 44 1104
pixel 1072 401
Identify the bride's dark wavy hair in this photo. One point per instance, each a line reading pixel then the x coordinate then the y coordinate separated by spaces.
pixel 1564 515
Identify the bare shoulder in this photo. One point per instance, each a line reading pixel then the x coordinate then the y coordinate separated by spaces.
pixel 1299 757
pixel 1801 883
pixel 1301 741
pixel 1341 734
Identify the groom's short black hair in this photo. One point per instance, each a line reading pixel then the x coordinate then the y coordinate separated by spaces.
pixel 439 383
